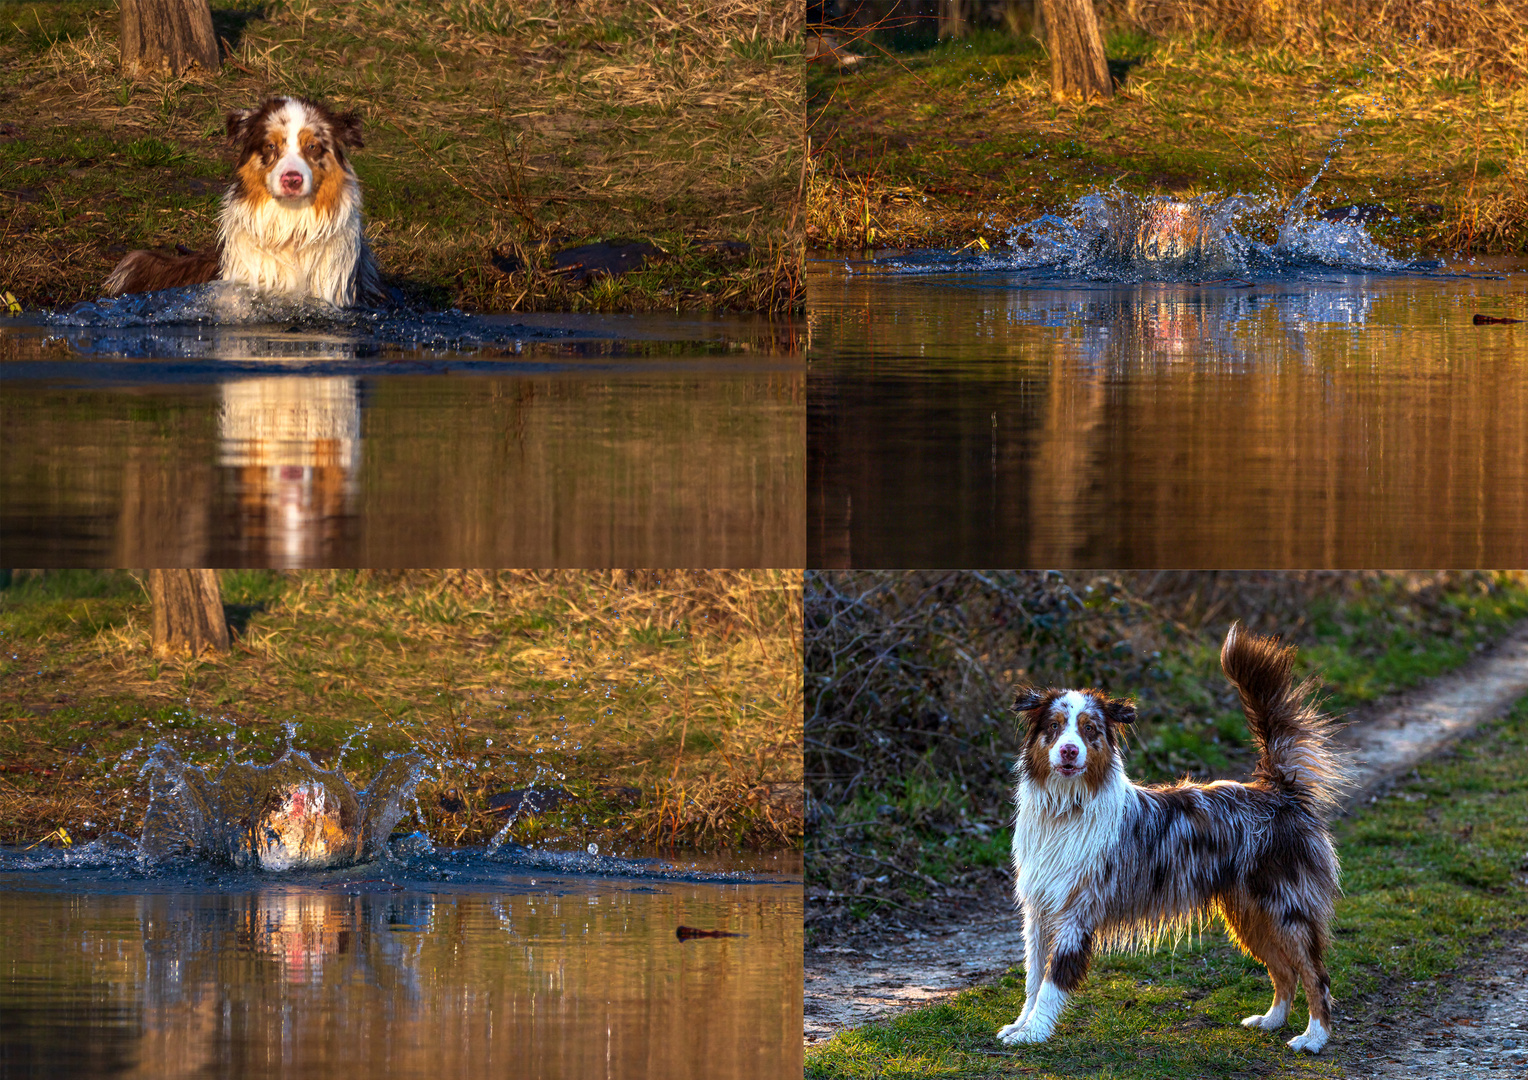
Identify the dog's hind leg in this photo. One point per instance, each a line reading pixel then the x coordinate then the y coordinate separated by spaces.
pixel 1037 935
pixel 146 271
pixel 1318 995
pixel 1256 932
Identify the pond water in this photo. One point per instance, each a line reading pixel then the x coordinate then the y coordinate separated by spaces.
pixel 160 436
pixel 972 412
pixel 457 965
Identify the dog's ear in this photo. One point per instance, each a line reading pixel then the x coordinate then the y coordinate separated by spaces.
pixel 1120 710
pixel 347 130
pixel 239 124
pixel 1030 699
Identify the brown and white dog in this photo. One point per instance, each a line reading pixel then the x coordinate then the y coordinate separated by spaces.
pixel 291 221
pixel 1101 862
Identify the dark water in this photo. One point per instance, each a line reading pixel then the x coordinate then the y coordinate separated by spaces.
pixel 1331 420
pixel 550 441
pixel 472 971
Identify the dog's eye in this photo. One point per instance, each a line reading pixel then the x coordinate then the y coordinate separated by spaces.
pixel 315 150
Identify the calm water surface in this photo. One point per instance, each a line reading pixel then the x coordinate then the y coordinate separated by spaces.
pixel 479 973
pixel 552 441
pixel 994 419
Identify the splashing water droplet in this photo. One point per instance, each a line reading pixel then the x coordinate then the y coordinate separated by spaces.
pixel 285 815
pixel 1117 236
pixel 594 849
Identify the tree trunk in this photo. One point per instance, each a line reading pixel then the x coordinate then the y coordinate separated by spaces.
pixel 188 612
pixel 1078 68
pixel 167 35
pixel 955 18
pixel 1020 18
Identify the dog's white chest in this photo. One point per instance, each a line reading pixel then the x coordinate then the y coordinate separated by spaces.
pixel 1058 846
pixel 293 252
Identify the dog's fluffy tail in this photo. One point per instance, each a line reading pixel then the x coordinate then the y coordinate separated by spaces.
pixel 1293 735
pixel 145 271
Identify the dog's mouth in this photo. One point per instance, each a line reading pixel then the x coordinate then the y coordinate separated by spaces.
pixel 1069 770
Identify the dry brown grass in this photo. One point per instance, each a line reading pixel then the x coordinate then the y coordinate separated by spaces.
pixel 668 702
pixel 1463 38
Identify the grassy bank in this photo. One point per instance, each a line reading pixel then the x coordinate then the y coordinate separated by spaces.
pixel 909 678
pixel 940 143
pixel 1431 872
pixel 498 132
pixel 665 705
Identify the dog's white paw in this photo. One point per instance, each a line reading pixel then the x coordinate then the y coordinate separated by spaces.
pixel 1013 1035
pixel 1016 1034
pixel 1264 1022
pixel 1312 1040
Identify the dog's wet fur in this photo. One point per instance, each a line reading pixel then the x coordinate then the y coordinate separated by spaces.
pixel 290 223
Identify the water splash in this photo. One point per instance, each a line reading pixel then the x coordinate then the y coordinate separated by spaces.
pixel 1117 236
pixel 201 320
pixel 289 814
pixel 215 302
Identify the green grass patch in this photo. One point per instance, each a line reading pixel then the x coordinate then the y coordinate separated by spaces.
pixel 1431 873
pixel 1362 652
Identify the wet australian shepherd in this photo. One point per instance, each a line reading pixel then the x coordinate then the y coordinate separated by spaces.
pixel 291 221
pixel 1103 863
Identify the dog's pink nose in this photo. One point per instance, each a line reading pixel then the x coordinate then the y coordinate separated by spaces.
pixel 291 182
pixel 1068 753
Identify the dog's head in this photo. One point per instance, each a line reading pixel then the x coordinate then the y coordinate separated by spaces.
pixel 1070 734
pixel 292 149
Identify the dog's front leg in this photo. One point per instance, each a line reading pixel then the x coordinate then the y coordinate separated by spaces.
pixel 1036 949
pixel 1070 952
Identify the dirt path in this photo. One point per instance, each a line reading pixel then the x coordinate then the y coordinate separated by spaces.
pixel 848 985
pixel 1478 1031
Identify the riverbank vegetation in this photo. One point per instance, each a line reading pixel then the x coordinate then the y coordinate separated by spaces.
pixel 1420 108
pixel 646 707
pixel 498 133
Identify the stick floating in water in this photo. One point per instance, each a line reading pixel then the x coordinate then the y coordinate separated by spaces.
pixel 685 933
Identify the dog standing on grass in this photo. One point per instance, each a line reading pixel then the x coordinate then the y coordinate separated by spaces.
pixel 1101 862
pixel 291 221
